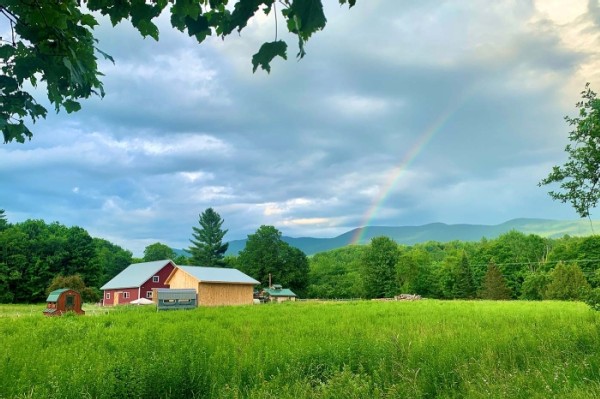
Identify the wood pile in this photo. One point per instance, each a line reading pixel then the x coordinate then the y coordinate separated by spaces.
pixel 407 297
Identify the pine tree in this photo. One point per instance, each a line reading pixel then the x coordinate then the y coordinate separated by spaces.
pixel 3 221
pixel 464 287
pixel 494 285
pixel 208 248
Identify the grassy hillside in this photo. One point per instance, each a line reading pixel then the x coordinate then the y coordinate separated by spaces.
pixel 441 232
pixel 424 349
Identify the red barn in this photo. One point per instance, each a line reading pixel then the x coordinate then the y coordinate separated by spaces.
pixel 137 281
pixel 62 301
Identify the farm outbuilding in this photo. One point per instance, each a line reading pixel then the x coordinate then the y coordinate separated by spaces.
pixel 171 299
pixel 215 286
pixel 62 301
pixel 137 281
pixel 277 293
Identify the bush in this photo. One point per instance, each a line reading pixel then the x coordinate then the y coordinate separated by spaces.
pixel 593 298
pixel 534 286
pixel 91 295
pixel 568 283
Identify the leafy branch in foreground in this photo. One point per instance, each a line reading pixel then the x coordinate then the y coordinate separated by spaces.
pixel 579 177
pixel 53 42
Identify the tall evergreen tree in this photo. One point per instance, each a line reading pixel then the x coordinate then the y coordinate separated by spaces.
pixel 208 248
pixel 464 287
pixel 494 285
pixel 3 221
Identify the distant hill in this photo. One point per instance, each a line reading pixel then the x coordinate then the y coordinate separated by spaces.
pixel 441 232
pixel 181 252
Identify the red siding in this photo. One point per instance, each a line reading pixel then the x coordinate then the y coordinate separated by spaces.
pixel 133 291
pixel 60 306
pixel 162 277
pixel 133 295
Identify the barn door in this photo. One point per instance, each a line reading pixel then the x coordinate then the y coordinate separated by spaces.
pixel 70 302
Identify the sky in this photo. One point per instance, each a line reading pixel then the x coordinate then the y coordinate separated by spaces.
pixel 401 113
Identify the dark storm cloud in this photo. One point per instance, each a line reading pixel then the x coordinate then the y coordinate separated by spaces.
pixel 311 147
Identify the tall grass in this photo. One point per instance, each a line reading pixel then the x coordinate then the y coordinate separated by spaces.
pixel 425 349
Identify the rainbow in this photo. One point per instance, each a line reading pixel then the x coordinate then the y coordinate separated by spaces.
pixel 418 146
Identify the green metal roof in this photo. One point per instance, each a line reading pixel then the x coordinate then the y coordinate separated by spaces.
pixel 279 292
pixel 136 274
pixel 53 297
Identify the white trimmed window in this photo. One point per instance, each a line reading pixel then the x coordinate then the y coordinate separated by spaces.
pixel 148 294
pixel 125 294
pixel 108 295
pixel 155 279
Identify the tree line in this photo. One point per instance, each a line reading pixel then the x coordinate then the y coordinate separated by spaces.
pixel 512 266
pixel 33 253
pixel 36 257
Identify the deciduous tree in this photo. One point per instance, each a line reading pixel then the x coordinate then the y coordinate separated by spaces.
pixel 158 251
pixel 415 274
pixel 567 283
pixel 53 42
pixel 208 248
pixel 266 253
pixel 379 268
pixel 110 258
pixel 535 285
pixel 75 282
pixel 579 177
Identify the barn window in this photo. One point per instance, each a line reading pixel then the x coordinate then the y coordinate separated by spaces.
pixel 155 279
pixel 108 295
pixel 126 295
pixel 149 294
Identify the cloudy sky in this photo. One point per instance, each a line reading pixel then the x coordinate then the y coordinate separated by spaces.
pixel 402 113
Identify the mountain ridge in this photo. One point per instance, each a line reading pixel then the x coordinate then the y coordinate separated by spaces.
pixel 435 231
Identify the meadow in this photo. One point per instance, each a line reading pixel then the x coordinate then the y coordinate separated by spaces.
pixel 362 349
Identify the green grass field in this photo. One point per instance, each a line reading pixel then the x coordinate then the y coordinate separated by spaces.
pixel 423 349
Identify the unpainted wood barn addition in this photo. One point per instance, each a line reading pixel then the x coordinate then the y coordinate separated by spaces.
pixel 215 286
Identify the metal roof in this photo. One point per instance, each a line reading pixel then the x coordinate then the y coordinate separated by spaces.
pixel 279 292
pixel 53 297
pixel 136 274
pixel 218 275
pixel 175 293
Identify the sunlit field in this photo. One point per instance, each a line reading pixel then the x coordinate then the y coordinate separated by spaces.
pixel 421 349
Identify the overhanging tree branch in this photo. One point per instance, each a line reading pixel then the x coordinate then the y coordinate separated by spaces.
pixel 53 41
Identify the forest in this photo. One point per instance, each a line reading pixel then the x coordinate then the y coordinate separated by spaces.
pixel 35 254
pixel 513 266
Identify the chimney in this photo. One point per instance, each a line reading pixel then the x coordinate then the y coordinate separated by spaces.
pixel 270 285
